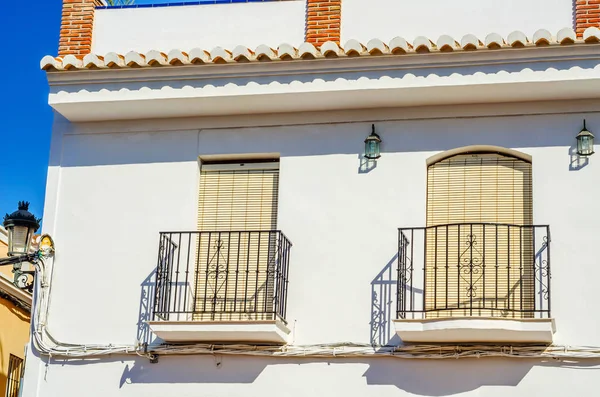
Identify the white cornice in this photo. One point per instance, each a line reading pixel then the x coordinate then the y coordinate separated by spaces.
pixel 527 74
pixel 512 109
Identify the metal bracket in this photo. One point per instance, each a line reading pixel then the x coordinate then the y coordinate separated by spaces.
pixel 153 357
pixel 19 282
pixel 17 262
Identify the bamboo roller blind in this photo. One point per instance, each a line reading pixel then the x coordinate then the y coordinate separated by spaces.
pixel 477 270
pixel 237 198
pixel 232 197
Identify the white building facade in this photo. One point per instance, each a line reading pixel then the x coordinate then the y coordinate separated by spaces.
pixel 221 231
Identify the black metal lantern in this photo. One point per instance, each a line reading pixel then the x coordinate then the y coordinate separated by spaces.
pixel 20 225
pixel 372 145
pixel 585 142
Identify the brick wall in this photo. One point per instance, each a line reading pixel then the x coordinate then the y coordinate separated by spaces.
pixel 76 27
pixel 323 21
pixel 587 14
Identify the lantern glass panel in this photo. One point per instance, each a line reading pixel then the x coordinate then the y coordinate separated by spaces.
pixel 585 145
pixel 20 238
pixel 372 150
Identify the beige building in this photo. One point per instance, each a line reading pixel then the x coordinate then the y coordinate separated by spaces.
pixel 15 307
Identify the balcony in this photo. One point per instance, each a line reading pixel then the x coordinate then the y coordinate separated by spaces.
pixel 474 283
pixel 222 286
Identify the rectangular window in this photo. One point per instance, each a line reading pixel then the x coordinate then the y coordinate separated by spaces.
pixel 15 373
pixel 238 197
pixel 237 246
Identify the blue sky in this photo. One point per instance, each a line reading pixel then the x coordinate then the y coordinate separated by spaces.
pixel 29 31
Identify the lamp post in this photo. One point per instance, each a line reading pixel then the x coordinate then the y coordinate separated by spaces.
pixel 20 226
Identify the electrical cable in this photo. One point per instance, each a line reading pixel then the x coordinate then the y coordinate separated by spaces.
pixel 46 344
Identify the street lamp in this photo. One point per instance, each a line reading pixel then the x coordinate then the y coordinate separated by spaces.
pixel 20 226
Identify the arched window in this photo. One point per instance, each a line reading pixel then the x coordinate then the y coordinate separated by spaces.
pixel 479 240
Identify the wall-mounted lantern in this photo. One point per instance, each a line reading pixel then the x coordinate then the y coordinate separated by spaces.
pixel 372 145
pixel 585 142
pixel 20 226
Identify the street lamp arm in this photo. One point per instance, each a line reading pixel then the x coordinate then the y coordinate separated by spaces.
pixel 11 260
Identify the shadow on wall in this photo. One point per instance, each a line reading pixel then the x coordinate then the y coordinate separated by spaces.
pixel 459 376
pixel 365 165
pixel 193 369
pixel 3 364
pixel 577 162
pixel 413 376
pixel 406 136
pixel 383 308
pixel 147 294
pixel 574 14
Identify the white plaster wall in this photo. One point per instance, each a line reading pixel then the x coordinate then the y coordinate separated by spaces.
pixel 116 191
pixel 198 26
pixel 386 19
pixel 113 196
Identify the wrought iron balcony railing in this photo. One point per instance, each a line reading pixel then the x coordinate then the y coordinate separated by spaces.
pixel 474 270
pixel 222 275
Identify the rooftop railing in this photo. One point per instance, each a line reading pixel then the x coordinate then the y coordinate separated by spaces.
pixel 170 3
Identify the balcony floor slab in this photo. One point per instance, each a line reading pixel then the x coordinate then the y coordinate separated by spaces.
pixel 273 332
pixel 476 330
